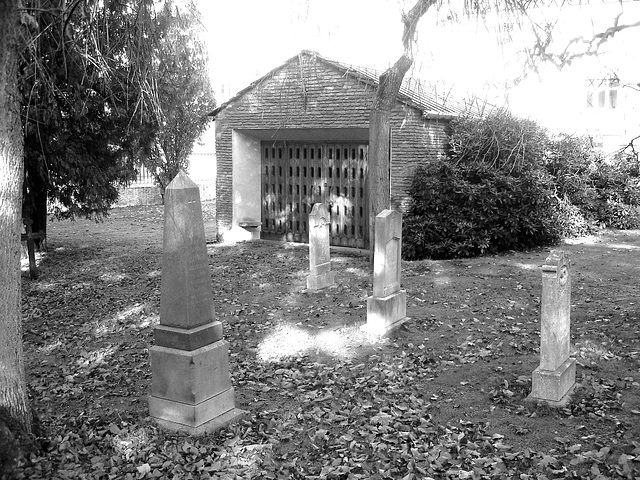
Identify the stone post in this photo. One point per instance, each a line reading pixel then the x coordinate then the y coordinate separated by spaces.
pixel 386 309
pixel 191 388
pixel 320 274
pixel 554 379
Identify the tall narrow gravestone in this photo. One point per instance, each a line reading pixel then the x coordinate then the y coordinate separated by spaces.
pixel 554 379
pixel 191 388
pixel 387 308
pixel 320 274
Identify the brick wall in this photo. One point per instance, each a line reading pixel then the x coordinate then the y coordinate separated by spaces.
pixel 316 94
pixel 413 140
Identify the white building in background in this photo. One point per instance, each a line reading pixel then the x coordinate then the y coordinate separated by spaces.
pixel 611 112
pixel 599 102
pixel 597 96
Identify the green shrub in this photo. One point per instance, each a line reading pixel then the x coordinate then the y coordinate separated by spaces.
pixel 571 222
pixel 499 140
pixel 616 214
pixel 506 185
pixel 490 195
pixel 472 209
pixel 606 191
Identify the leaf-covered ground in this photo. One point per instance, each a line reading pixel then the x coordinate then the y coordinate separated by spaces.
pixel 442 397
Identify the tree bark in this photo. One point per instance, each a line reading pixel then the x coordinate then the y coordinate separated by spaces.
pixel 13 390
pixel 380 120
pixel 380 142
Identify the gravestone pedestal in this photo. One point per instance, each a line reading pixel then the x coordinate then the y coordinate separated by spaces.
pixel 191 388
pixel 320 274
pixel 387 307
pixel 318 282
pixel 553 381
pixel 554 387
pixel 386 313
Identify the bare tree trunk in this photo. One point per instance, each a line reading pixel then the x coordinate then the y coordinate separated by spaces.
pixel 13 391
pixel 380 120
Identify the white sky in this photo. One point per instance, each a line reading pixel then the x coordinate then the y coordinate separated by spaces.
pixel 250 37
pixel 247 38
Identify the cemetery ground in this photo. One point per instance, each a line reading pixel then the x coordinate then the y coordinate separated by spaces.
pixel 441 397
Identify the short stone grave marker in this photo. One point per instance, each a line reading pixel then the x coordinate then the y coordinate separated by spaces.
pixel 386 308
pixel 191 388
pixel 554 379
pixel 320 274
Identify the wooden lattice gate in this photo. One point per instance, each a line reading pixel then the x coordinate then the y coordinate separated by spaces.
pixel 297 175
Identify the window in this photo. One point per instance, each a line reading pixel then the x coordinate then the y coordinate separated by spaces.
pixel 603 94
pixel 613 98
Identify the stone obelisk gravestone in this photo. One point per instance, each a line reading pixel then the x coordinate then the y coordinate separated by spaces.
pixel 320 274
pixel 191 388
pixel 554 379
pixel 387 308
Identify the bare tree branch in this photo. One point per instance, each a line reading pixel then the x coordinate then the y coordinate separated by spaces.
pixel 391 80
pixel 631 146
pixel 577 47
pixel 410 21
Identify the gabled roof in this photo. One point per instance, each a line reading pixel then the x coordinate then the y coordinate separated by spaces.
pixel 414 93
